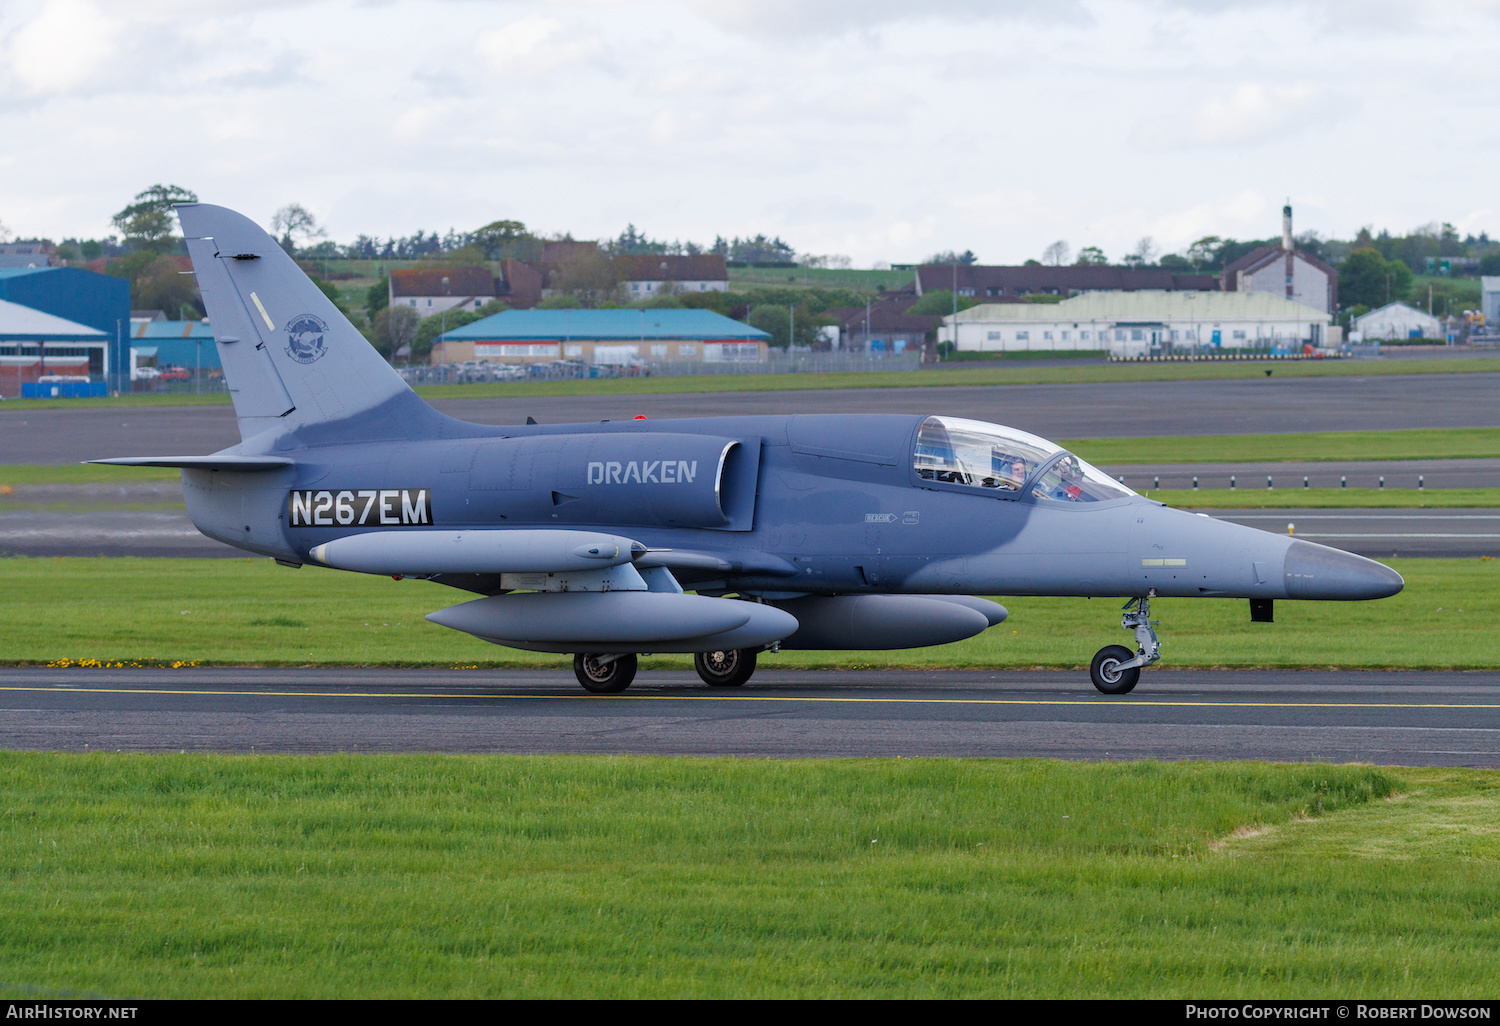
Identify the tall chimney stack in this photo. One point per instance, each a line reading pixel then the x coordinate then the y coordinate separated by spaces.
pixel 1286 227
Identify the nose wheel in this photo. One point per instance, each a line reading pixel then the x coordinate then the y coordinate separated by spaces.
pixel 1107 674
pixel 1115 669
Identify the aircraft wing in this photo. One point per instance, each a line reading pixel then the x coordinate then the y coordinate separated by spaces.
pixel 568 591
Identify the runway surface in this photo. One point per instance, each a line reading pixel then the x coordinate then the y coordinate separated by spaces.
pixel 1099 410
pixel 1392 718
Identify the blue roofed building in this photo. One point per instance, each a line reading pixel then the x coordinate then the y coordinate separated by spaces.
pixel 97 301
pixel 34 345
pixel 613 337
pixel 186 344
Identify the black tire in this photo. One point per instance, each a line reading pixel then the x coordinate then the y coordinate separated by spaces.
pixel 726 668
pixel 1106 674
pixel 604 679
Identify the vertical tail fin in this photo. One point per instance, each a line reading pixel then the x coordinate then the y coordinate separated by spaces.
pixel 291 360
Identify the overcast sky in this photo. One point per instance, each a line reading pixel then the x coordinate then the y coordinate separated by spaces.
pixel 880 129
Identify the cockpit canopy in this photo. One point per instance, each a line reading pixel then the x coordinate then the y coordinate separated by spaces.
pixel 974 454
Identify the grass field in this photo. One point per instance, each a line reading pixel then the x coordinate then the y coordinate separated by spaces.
pixel 430 876
pixel 14 474
pixel 1009 373
pixel 165 611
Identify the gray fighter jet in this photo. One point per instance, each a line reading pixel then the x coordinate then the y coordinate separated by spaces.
pixel 722 537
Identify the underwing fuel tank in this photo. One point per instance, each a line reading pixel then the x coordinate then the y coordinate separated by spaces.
pixel 618 621
pixel 887 621
pixel 417 554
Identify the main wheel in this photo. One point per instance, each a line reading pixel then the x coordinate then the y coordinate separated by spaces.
pixel 1106 673
pixel 604 678
pixel 728 668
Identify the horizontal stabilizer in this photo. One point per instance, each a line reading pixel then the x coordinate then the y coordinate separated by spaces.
pixel 424 553
pixel 239 463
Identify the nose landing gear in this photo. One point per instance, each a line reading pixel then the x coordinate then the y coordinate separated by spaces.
pixel 1115 671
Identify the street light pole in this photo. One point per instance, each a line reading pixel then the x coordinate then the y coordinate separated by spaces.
pixel 954 336
pixel 443 353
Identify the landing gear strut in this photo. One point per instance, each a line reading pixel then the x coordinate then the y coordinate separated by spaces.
pixel 604 674
pixel 1115 670
pixel 728 668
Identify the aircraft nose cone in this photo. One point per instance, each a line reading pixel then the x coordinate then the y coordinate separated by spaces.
pixel 1319 572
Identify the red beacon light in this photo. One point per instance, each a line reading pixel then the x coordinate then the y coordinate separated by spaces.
pixel 640 416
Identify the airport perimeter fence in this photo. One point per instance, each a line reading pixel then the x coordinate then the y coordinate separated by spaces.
pixel 795 362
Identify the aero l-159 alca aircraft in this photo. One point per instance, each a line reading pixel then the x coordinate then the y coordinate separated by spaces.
pixel 809 531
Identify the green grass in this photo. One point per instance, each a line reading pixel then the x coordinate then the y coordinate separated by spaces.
pixel 1414 444
pixel 1011 373
pixel 164 611
pixel 80 473
pixel 430 876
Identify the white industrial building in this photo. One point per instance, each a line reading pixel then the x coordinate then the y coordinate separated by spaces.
pixel 1396 320
pixel 1489 301
pixel 1142 323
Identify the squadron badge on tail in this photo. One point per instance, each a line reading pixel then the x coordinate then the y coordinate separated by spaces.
pixel 304 335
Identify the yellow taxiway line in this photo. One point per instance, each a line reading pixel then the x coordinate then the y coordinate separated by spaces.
pixel 856 699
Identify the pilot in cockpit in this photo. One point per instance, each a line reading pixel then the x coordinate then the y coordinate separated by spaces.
pixel 1006 471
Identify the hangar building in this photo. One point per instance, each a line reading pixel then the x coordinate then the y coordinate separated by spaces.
pixel 1141 323
pixel 1397 320
pixel 604 337
pixel 34 345
pixel 187 344
pixel 96 301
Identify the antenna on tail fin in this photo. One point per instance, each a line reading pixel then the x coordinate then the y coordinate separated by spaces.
pixel 293 362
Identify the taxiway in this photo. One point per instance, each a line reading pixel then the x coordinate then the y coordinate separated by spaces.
pixel 1392 718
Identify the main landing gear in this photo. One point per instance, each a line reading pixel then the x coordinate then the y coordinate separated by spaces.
pixel 604 674
pixel 611 674
pixel 728 668
pixel 1115 670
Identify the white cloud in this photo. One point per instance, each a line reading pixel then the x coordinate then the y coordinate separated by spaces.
pixel 536 44
pixel 1251 113
pixel 878 128
pixel 66 45
pixel 800 17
